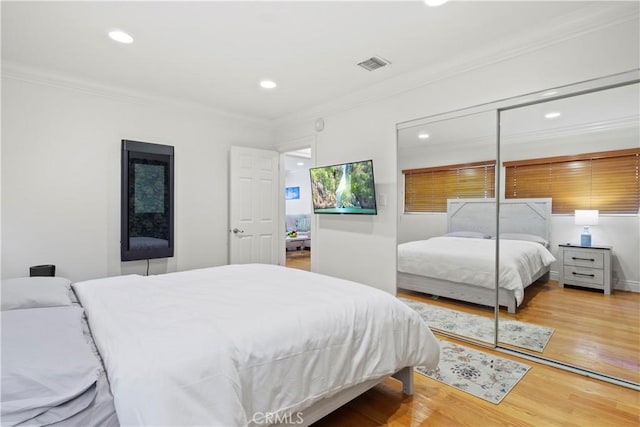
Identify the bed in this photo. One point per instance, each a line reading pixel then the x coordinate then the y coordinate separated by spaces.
pixel 245 345
pixel 52 373
pixel 461 264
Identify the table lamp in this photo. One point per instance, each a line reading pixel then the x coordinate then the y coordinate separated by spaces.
pixel 586 218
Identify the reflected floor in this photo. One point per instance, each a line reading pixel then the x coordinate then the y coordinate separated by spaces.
pixel 592 330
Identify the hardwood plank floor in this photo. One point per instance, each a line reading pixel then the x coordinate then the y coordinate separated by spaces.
pixel 300 259
pixel 592 330
pixel 546 396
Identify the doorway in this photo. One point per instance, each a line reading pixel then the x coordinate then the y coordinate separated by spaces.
pixel 297 209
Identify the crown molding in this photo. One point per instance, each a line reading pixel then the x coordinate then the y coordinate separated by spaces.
pixel 589 19
pixel 37 76
pixel 617 124
pixel 628 123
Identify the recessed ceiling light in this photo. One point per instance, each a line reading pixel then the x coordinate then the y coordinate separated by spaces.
pixel 268 84
pixel 434 3
pixel 550 93
pixel 300 163
pixel 120 36
pixel 552 115
pixel 423 135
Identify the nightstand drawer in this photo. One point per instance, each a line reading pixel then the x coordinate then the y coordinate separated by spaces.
pixel 583 258
pixel 584 275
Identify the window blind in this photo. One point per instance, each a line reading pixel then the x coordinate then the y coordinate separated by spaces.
pixel 427 189
pixel 608 181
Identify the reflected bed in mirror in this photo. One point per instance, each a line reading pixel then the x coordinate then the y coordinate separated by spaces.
pixel 461 266
pixel 147 201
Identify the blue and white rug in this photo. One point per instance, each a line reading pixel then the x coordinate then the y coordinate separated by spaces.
pixel 481 374
pixel 520 334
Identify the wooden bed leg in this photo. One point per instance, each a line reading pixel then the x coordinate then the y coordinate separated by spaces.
pixel 406 376
pixel 511 308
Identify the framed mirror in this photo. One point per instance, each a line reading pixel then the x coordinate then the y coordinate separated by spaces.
pixel 146 230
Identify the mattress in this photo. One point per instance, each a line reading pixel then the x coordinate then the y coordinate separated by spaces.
pixel 472 261
pixel 218 346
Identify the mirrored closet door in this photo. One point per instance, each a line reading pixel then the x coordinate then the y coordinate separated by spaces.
pixel 561 244
pixel 446 180
pixel 581 153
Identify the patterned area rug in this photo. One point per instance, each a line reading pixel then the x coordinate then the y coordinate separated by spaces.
pixel 513 332
pixel 481 374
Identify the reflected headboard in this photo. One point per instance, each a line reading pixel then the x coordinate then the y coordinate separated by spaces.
pixel 530 216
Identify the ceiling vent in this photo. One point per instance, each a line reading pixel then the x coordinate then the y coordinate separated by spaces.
pixel 373 63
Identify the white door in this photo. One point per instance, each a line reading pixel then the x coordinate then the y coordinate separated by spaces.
pixel 253 213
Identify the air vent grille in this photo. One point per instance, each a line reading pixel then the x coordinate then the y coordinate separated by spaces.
pixel 374 63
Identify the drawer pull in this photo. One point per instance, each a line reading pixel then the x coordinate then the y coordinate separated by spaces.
pixel 582 274
pixel 583 259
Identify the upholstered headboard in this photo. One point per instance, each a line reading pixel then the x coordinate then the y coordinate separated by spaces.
pixel 530 216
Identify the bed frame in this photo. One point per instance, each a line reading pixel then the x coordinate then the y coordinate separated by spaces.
pixel 325 406
pixel 530 216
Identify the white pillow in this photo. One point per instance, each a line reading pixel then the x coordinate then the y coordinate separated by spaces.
pixel 471 234
pixel 524 236
pixel 34 292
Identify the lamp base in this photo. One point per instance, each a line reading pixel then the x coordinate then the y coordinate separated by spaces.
pixel 585 239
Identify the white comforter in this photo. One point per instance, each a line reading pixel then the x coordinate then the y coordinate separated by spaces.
pixel 472 261
pixel 225 345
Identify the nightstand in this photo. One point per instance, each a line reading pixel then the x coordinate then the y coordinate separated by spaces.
pixel 586 266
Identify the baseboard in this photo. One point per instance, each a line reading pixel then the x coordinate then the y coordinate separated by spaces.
pixel 627 285
pixel 619 285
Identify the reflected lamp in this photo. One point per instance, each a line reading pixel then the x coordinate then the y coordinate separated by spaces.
pixel 586 218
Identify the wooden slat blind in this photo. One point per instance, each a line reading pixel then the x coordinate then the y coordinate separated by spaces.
pixel 608 181
pixel 427 189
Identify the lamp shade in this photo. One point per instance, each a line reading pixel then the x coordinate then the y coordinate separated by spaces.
pixel 586 217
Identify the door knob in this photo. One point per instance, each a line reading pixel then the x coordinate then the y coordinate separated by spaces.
pixel 237 230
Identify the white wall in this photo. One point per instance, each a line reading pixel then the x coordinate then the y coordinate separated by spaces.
pixel 364 249
pixel 299 178
pixel 61 179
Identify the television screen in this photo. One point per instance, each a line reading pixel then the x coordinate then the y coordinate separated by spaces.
pixel 344 189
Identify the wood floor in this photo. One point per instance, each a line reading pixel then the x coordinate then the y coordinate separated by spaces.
pixel 546 396
pixel 300 259
pixel 592 330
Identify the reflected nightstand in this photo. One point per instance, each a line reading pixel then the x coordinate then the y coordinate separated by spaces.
pixel 586 266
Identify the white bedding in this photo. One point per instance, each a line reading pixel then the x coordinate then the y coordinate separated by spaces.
pixel 472 261
pixel 219 346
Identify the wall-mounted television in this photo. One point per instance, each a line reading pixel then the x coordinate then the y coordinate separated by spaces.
pixel 146 230
pixel 347 188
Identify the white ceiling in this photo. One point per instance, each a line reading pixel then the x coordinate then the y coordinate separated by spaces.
pixel 601 111
pixel 607 109
pixel 214 53
pixel 293 162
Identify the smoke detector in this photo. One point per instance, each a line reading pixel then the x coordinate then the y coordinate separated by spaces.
pixel 374 63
